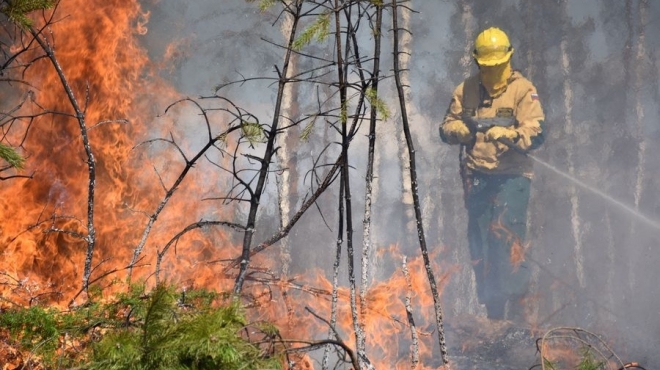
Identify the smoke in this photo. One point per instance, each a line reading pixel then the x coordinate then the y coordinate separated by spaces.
pixel 594 64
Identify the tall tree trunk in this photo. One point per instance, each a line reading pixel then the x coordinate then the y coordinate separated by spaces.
pixel 284 192
pixel 343 53
pixel 469 26
pixel 567 92
pixel 268 155
pixel 533 306
pixel 467 280
pixel 413 185
pixel 90 238
pixel 369 194
pixel 639 71
pixel 406 182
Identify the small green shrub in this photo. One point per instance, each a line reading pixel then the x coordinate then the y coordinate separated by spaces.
pixel 163 329
pixel 173 335
pixel 35 328
pixel 588 362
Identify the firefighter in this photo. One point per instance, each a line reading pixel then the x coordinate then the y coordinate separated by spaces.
pixel 496 118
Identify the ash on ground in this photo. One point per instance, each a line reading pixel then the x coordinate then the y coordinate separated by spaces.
pixel 477 343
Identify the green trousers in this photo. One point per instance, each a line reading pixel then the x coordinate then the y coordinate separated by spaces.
pixel 497 223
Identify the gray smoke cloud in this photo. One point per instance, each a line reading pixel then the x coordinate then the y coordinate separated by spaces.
pixel 595 66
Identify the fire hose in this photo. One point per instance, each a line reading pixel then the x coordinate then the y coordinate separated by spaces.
pixel 483 124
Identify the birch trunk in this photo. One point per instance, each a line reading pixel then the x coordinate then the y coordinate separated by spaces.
pixel 370 193
pixel 639 71
pixel 466 281
pixel 567 92
pixel 283 181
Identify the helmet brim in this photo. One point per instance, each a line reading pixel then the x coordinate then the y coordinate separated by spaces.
pixel 494 59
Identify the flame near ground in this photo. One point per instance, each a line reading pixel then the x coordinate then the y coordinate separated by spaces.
pixel 101 56
pixel 43 253
pixel 100 52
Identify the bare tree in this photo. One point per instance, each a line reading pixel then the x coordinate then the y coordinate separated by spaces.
pixel 36 44
pixel 414 189
pixel 18 51
pixel 243 149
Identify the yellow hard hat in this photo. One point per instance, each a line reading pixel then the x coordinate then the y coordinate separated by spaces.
pixel 492 47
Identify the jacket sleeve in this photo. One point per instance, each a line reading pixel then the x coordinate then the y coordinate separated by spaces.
pixel 530 119
pixel 453 114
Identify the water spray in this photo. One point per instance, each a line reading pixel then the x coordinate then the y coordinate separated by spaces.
pixel 483 124
pixel 623 206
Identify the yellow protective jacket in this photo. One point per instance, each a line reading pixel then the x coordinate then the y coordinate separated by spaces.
pixel 520 103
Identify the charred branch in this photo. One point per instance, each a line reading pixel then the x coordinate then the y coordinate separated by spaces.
pixel 414 360
pixel 369 177
pixel 284 231
pixel 296 10
pixel 414 186
pixel 197 225
pixel 90 238
pixel 189 164
pixel 337 341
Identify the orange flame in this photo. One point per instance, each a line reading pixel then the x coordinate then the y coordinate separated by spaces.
pixel 112 79
pixel 385 323
pixel 45 217
pixel 518 249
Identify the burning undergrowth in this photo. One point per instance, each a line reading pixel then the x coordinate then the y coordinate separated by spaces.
pixel 155 163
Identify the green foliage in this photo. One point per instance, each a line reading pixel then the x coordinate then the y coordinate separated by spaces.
pixel 319 29
pixel 588 361
pixel 11 156
pixel 253 132
pixel 264 4
pixel 173 335
pixel 269 329
pixel 162 329
pixel 548 364
pixel 343 115
pixel 307 130
pixel 33 327
pixel 376 102
pixel 17 10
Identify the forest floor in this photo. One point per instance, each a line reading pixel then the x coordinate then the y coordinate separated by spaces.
pixel 477 343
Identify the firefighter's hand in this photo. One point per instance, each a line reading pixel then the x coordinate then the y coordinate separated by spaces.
pixel 458 131
pixel 497 133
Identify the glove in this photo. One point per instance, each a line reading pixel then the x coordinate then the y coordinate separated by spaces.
pixel 496 133
pixel 458 130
